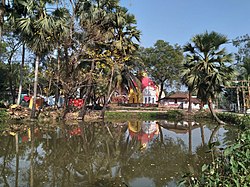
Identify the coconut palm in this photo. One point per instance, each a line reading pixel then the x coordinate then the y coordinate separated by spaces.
pixel 210 66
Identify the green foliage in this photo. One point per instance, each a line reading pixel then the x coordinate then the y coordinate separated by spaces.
pixel 242 121
pixel 208 66
pixel 163 62
pixel 243 55
pixel 230 168
pixel 3 76
pixel 3 118
pixel 174 114
pixel 201 114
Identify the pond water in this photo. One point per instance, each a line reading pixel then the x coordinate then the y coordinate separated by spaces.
pixel 129 154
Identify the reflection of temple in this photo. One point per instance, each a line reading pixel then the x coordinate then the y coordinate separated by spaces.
pixel 146 131
pixel 143 131
pixel 184 127
pixel 179 127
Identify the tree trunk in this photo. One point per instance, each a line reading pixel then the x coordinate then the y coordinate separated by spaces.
pixel 244 100
pixel 66 106
pixel 33 112
pixel 12 91
pixel 57 95
pixel 161 90
pixel 2 11
pixel 189 101
pixel 106 100
pixel 238 99
pixel 89 86
pixel 21 76
pixel 210 105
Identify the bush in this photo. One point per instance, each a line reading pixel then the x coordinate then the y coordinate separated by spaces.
pixel 3 115
pixel 235 119
pixel 174 114
pixel 3 118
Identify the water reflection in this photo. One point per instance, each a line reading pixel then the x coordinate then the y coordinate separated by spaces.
pixel 144 131
pixel 146 153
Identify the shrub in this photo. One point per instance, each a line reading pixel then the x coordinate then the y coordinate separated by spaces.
pixel 240 120
pixel 3 115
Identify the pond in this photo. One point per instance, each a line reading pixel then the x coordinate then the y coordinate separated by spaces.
pixel 129 154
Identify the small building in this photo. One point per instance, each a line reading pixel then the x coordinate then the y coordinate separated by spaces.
pixel 180 100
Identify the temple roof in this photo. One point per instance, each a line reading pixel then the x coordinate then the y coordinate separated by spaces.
pixel 146 81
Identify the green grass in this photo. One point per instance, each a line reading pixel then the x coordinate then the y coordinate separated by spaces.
pixel 173 114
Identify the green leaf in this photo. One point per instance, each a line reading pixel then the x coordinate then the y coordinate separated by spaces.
pixel 204 168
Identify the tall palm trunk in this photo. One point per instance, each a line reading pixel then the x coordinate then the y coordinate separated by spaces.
pixel 33 112
pixel 106 100
pixel 210 105
pixel 189 101
pixel 89 86
pixel 58 76
pixel 21 77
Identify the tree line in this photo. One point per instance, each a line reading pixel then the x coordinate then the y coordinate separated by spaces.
pixel 58 47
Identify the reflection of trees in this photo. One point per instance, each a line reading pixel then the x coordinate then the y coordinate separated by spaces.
pixel 231 134
pixel 203 152
pixel 98 154
pixel 6 154
pixel 160 162
pixel 17 159
pixel 93 157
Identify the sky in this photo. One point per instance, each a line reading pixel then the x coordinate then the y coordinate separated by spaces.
pixel 177 21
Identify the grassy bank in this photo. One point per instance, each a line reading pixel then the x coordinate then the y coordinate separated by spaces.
pixel 239 120
pixel 144 115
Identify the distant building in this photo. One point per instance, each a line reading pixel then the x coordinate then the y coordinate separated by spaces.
pixel 180 100
pixel 148 93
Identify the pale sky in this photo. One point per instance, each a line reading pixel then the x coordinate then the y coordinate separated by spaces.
pixel 176 21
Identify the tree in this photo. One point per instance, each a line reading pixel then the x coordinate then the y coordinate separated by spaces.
pixel 36 30
pixel 189 78
pixel 11 8
pixel 163 63
pixel 122 44
pixel 210 65
pixel 12 45
pixel 114 35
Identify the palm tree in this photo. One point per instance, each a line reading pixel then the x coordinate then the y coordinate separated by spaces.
pixel 210 65
pixel 189 78
pixel 122 45
pixel 36 30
